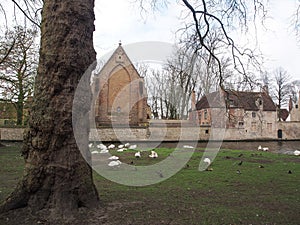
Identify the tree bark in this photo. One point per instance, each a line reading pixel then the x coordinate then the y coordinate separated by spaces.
pixel 56 175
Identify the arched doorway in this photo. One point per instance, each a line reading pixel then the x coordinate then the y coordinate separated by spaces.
pixel 279 133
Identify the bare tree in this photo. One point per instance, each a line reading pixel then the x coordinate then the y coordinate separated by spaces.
pixel 29 9
pixel 296 21
pixel 282 88
pixel 295 88
pixel 208 16
pixel 185 71
pixel 157 82
pixel 181 69
pixel 18 67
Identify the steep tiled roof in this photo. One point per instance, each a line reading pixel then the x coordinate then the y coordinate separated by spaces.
pixel 237 99
pixel 284 114
pixel 211 100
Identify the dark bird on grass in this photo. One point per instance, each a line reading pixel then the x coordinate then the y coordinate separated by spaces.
pixel 289 172
pixel 187 165
pixel 238 172
pixel 240 163
pixel 261 166
pixel 160 174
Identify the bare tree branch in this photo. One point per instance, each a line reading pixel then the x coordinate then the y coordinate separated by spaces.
pixel 26 14
pixel 222 16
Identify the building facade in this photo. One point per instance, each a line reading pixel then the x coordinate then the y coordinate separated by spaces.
pixel 244 115
pixel 121 93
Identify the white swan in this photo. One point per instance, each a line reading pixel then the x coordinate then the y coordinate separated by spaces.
pixel 111 146
pixel 114 163
pixel 153 154
pixel 137 154
pixel 187 146
pixel 265 149
pixel 101 146
pixel 113 157
pixel 103 151
pixel 297 152
pixel 127 145
pixel 207 160
pixel 132 147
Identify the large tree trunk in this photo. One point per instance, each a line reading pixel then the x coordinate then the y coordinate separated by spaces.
pixel 56 176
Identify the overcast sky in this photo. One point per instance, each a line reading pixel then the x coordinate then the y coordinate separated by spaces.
pixel 122 20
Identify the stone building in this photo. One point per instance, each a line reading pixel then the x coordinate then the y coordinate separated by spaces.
pixel 122 97
pixel 8 113
pixel 245 115
pixel 295 110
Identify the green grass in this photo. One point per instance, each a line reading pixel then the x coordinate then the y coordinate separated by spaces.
pixel 11 168
pixel 257 195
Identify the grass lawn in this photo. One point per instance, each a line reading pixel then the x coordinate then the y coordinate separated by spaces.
pixel 256 195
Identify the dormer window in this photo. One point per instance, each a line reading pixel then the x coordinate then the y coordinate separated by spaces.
pixel 259 102
pixel 205 114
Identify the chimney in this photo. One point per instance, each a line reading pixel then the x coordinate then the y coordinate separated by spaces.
pixel 290 104
pixel 298 100
pixel 265 89
pixel 193 100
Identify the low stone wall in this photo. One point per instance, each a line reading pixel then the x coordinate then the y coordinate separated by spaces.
pixel 290 131
pixel 110 134
pixel 11 134
pixel 145 134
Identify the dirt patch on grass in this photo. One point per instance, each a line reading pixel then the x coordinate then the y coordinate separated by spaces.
pixel 254 160
pixel 25 217
pixel 293 160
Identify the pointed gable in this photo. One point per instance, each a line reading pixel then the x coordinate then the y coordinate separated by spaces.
pixel 119 58
pixel 122 94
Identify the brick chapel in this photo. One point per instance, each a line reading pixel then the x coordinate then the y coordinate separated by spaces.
pixel 122 98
